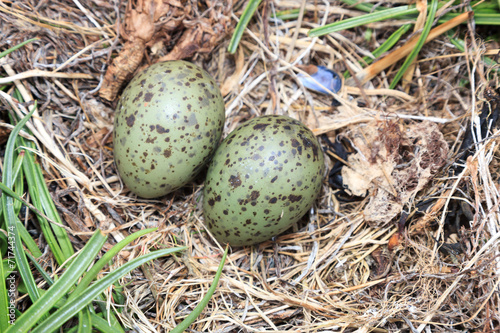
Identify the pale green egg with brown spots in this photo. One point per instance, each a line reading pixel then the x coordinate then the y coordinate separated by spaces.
pixel 263 178
pixel 168 123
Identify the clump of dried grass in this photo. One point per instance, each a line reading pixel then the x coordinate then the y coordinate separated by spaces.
pixel 330 272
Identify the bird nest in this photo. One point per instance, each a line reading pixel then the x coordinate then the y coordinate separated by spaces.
pixel 404 235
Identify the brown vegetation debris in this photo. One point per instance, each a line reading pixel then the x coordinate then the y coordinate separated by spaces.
pixel 393 163
pixel 157 24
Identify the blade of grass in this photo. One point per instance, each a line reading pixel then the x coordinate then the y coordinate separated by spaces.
pixel 3 244
pixel 479 18
pixel 97 267
pixel 290 14
pixel 18 166
pixel 19 190
pixel 460 44
pixel 59 289
pixel 58 318
pixel 84 321
pixel 9 214
pixel 18 182
pixel 203 303
pixel 40 269
pixel 242 24
pixel 13 194
pixel 27 240
pixel 362 20
pixel 421 41
pixel 114 324
pixel 389 43
pixel 29 171
pixel 102 325
pixel 105 259
pixel 12 49
pixel 61 242
pixel 50 210
pixel 371 71
pixel 4 300
pixel 359 5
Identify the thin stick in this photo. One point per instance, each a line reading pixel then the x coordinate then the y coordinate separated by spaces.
pixel 40 73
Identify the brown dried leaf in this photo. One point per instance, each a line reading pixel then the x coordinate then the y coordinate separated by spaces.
pixel 232 81
pixel 201 37
pixel 146 23
pixel 394 165
pixel 121 69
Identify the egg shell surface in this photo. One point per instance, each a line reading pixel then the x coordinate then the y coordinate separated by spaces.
pixel 168 123
pixel 264 177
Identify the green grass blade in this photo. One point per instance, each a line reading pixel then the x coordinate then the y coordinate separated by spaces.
pixel 203 303
pixel 56 236
pixel 108 314
pixel 18 183
pixel 12 49
pixel 29 168
pixel 10 216
pixel 359 5
pixel 31 316
pixel 389 43
pixel 96 268
pixel 103 326
pixel 421 41
pixel 4 300
pixel 84 321
pixel 27 240
pixel 460 44
pixel 479 18
pixel 105 259
pixel 17 172
pixel 50 210
pixel 3 244
pixel 25 236
pixel 242 24
pixel 70 309
pixel 40 270
pixel 362 20
pixel 290 14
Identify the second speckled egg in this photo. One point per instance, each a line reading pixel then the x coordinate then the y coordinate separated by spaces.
pixel 168 124
pixel 263 178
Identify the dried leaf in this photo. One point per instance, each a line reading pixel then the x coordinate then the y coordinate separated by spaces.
pixel 395 164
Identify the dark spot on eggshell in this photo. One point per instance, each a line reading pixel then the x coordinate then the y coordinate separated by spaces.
pixel 279 185
pixel 148 97
pixel 130 120
pixel 161 129
pixel 234 181
pixel 260 126
pixel 294 198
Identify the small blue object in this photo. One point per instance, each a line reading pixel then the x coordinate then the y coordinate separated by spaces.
pixel 326 77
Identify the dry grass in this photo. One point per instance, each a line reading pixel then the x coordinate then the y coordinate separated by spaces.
pixel 333 271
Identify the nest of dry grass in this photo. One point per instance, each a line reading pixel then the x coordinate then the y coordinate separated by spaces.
pixel 333 271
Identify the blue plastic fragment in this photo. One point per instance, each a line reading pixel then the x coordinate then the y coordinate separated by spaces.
pixel 326 77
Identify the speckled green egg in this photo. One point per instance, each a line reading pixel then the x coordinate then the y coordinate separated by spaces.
pixel 263 178
pixel 168 124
